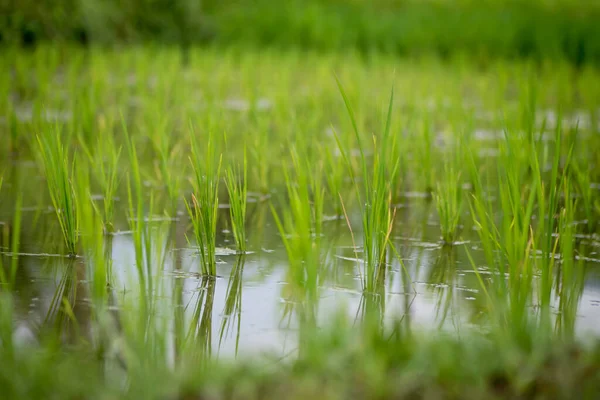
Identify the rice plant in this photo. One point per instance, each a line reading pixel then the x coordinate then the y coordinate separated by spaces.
pixel 375 198
pixel 106 159
pixel 59 172
pixel 448 200
pixel 205 201
pixel 169 155
pixel 571 276
pixel 139 222
pixel 301 227
pixel 237 188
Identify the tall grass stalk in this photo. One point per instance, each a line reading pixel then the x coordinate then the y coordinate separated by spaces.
pixel 237 188
pixel 59 172
pixel 205 201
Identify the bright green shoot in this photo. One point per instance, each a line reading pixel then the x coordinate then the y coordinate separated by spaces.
pixel 59 172
pixel 204 206
pixel 237 188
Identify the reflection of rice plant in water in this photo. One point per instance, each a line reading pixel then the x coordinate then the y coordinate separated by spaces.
pixel 59 172
pixel 92 241
pixel 199 337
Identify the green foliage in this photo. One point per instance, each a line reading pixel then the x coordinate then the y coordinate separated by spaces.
pixel 375 197
pixel 448 199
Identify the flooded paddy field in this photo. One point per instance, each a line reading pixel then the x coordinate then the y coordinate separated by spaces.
pixel 162 221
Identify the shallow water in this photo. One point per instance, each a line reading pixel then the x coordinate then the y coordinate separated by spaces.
pixel 249 307
pixel 443 290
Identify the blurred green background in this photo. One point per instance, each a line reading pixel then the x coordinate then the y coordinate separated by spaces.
pixel 537 29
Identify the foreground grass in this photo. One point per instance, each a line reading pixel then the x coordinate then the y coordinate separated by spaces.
pixel 508 155
pixel 332 366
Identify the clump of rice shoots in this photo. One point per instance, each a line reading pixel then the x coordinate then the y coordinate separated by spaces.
pixel 59 171
pixel 378 179
pixel 205 202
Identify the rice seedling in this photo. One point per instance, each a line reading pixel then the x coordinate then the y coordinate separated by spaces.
pixel 139 224
pixel 375 197
pixel 507 246
pixel 169 153
pixel 335 176
pixel 92 240
pixel 237 188
pixel 59 172
pixel 205 201
pixel 549 208
pixel 448 200
pixel 106 159
pixel 571 274
pixel 581 176
pixel 232 311
pixel 300 228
